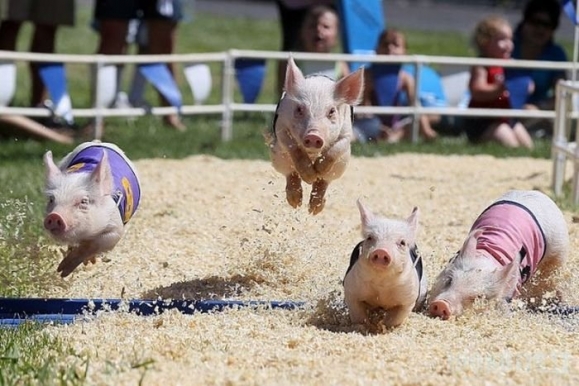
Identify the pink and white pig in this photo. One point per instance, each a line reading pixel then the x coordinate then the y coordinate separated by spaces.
pixel 312 131
pixel 521 234
pixel 92 193
pixel 385 269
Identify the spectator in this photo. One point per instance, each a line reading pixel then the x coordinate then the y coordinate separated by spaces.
pixel 534 40
pixel 388 127
pixel 47 16
pixel 320 34
pixel 493 38
pixel 161 16
pixel 291 15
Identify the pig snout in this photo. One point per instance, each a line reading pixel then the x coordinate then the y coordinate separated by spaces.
pixel 440 308
pixel 54 223
pixel 380 257
pixel 313 141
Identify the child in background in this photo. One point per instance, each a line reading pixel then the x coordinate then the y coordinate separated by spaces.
pixel 493 38
pixel 320 34
pixel 388 127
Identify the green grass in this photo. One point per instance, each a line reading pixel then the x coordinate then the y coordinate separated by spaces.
pixel 27 354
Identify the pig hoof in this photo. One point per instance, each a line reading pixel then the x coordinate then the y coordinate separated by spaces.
pixel 294 197
pixel 316 205
pixel 90 260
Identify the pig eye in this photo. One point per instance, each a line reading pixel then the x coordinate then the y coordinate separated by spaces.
pixel 332 112
pixel 370 238
pixel 84 202
pixel 299 111
pixel 448 282
pixel 51 199
pixel 402 243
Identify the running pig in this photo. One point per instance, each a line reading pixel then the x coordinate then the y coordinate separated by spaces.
pixel 519 234
pixel 312 130
pixel 385 269
pixel 92 194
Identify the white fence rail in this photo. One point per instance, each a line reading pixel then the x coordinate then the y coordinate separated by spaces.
pixel 564 144
pixel 227 106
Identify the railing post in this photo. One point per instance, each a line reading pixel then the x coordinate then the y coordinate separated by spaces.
pixel 227 92
pixel 559 144
pixel 416 117
pixel 98 119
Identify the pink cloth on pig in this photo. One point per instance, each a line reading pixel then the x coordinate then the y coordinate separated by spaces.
pixel 510 228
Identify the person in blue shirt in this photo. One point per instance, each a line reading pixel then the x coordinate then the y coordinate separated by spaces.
pixel 534 40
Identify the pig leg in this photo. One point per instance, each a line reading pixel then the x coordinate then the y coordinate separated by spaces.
pixel 303 165
pixel 396 316
pixel 358 311
pixel 299 158
pixel 545 280
pixel 317 199
pixel 338 154
pixel 85 252
pixel 293 189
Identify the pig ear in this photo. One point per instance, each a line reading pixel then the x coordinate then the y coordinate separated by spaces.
pixel 412 220
pixel 102 176
pixel 51 169
pixel 293 77
pixel 366 215
pixel 469 246
pixel 350 88
pixel 506 279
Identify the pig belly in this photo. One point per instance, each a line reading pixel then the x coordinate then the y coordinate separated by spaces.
pixel 377 295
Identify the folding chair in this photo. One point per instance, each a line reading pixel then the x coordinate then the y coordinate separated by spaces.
pixel 249 74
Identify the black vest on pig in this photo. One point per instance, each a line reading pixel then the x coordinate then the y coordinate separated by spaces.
pixel 414 256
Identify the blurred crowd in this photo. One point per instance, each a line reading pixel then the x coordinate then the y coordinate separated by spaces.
pixel 314 26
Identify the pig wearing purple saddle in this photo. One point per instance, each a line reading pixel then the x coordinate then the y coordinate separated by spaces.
pixel 92 193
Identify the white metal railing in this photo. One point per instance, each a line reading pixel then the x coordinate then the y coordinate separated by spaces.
pixel 228 106
pixel 564 144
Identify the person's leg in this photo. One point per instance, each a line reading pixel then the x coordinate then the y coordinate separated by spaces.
pixel 9 34
pixel 112 37
pixel 162 38
pixel 43 40
pixel 290 24
pixel 523 135
pixel 425 126
pixel 501 133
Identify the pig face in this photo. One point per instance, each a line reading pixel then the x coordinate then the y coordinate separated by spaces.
pixel 79 204
pixel 387 242
pixel 316 110
pixel 470 275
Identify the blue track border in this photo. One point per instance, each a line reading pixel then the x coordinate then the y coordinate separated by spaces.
pixel 15 311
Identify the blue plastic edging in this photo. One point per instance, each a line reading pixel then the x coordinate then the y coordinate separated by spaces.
pixel 15 311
